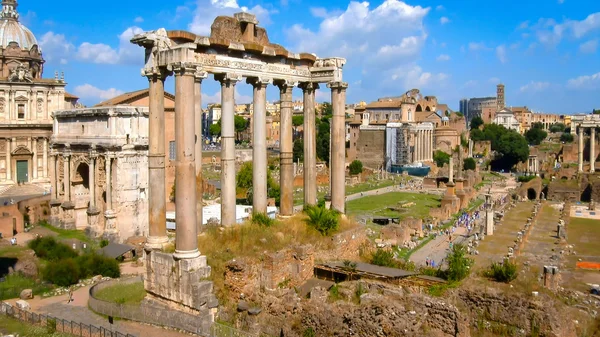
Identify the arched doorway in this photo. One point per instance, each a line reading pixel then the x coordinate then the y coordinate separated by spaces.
pixel 20 163
pixel 531 194
pixel 80 193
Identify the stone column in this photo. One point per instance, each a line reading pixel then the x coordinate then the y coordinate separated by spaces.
pixel 580 150
pixel 34 161
pixel 416 146
pixel 8 159
pixel 228 82
pixel 67 179
pixel 186 237
pixel 259 145
pixel 286 147
pixel 451 169
pixel 157 221
pixel 92 180
pixel 198 76
pixel 108 170
pixel 109 215
pixel 338 145
pixel 592 149
pixel 54 178
pixel 310 144
pixel 45 159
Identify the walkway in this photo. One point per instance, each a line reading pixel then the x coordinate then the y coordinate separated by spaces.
pixel 438 248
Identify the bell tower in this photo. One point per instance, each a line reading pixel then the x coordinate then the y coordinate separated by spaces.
pixel 500 96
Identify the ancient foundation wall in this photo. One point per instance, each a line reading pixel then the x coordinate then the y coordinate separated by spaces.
pixel 371 147
pixel 39 208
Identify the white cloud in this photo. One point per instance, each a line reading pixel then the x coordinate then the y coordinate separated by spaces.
pixel 523 25
pixel 439 7
pixel 589 82
pixel 444 20
pixel 126 53
pixel 318 12
pixel 550 33
pixel 443 57
pixel 514 46
pixel 534 86
pixel 138 19
pixel 208 9
pixel 56 48
pixel 413 76
pixel 476 46
pixel 501 53
pixel 589 47
pixel 88 91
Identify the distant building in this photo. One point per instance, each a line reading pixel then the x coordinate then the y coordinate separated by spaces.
pixel 464 107
pixel 478 106
pixel 506 118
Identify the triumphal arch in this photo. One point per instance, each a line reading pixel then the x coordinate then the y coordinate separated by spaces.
pixel 237 49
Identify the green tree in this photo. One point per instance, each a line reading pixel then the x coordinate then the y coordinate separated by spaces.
pixel 511 149
pixel 458 263
pixel 323 135
pixel 215 129
pixel 537 125
pixel 441 158
pixel 477 135
pixel 566 137
pixel 595 112
pixel 296 122
pixel 355 167
pixel 244 180
pixel 469 164
pixel 476 122
pixel 384 258
pixel 298 150
pixel 459 114
pixel 558 127
pixel 326 109
pixel 244 176
pixel 535 136
pixel 241 124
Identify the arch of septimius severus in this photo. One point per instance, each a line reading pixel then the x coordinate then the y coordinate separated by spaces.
pixel 578 125
pixel 236 49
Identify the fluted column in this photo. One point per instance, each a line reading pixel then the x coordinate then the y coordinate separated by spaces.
pixel 580 149
pixel 338 145
pixel 418 145
pixel 198 76
pixel 430 153
pixel 92 181
pixel 286 147
pixel 310 144
pixel 45 159
pixel 259 144
pixel 54 176
pixel 8 159
pixel 67 178
pixel 186 236
pixel 157 221
pixel 228 82
pixel 34 163
pixel 108 171
pixel 592 149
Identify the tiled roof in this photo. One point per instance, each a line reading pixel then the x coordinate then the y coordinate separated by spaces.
pixel 129 97
pixel 384 104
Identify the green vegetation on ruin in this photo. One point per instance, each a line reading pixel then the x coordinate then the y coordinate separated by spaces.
pixel 379 205
pixel 132 293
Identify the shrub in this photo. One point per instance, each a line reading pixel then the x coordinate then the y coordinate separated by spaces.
pixel 262 219
pixel 103 243
pixel 566 137
pixel 441 158
pixel 49 249
pixel 502 272
pixel 62 273
pixel 324 220
pixel 92 264
pixel 469 164
pixel 356 167
pixel 384 258
pixel 458 264
pixel 525 179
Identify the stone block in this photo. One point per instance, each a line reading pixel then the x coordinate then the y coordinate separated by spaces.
pixel 23 305
pixel 26 294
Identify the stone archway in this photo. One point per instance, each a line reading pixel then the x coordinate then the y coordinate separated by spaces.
pixel 419 108
pixel 80 193
pixel 427 108
pixel 532 194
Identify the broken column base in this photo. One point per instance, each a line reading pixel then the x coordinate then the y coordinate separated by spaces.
pixel 181 284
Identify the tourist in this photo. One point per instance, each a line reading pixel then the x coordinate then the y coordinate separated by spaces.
pixel 70 295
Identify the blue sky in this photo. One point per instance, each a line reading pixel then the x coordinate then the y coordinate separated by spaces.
pixel 544 51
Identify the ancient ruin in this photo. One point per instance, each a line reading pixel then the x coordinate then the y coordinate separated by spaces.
pixel 236 49
pixel 580 123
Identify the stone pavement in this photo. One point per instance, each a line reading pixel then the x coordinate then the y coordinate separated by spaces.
pixel 438 248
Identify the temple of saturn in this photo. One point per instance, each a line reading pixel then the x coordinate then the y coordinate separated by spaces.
pixel 580 123
pixel 237 48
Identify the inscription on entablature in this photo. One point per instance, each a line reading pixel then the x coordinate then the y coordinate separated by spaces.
pixel 211 61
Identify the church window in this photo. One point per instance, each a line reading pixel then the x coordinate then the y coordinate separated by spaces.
pixel 21 111
pixel 172 150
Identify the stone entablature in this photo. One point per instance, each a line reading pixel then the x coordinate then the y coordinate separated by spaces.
pixel 99 171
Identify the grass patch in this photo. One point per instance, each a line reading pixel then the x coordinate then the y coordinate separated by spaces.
pixel 439 290
pixel 68 234
pixel 10 325
pixel 15 283
pixel 585 235
pixel 379 205
pixel 132 293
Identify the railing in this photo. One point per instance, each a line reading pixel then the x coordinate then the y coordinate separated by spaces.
pixel 58 324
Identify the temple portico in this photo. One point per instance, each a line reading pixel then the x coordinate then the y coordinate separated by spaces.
pixel 578 125
pixel 236 49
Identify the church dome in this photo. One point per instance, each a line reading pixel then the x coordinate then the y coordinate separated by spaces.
pixel 11 30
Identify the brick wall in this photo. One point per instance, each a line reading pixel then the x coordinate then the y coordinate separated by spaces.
pixel 10 219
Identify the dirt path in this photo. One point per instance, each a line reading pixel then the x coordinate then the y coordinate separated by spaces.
pixel 438 248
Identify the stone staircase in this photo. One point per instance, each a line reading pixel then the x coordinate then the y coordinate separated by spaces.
pixel 22 190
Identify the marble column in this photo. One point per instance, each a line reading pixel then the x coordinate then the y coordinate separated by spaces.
pixel 198 76
pixel 338 145
pixel 157 221
pixel 592 149
pixel 54 176
pixel 8 159
pixel 34 163
pixel 108 171
pixel 92 182
pixel 286 147
pixel 45 159
pixel 310 144
pixel 67 179
pixel 259 144
pixel 580 152
pixel 451 169
pixel 186 237
pixel 228 82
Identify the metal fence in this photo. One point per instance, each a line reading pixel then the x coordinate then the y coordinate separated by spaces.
pixel 58 324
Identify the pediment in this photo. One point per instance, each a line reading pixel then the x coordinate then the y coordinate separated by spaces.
pixel 21 150
pixel 21 98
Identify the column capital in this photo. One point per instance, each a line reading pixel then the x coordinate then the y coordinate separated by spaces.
pixel 228 78
pixel 93 154
pixel 285 84
pixel 183 68
pixel 262 82
pixel 337 85
pixel 200 74
pixel 155 73
pixel 308 86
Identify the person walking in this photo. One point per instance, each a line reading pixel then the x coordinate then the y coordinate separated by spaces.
pixel 70 295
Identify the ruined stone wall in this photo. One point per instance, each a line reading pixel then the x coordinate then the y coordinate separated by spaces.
pixel 483 147
pixel 37 208
pixel 570 152
pixel 345 245
pixel 371 148
pixel 131 195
